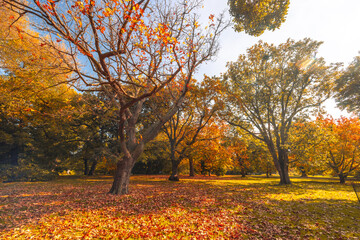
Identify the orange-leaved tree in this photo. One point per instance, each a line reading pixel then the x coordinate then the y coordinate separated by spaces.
pixel 211 154
pixel 249 154
pixel 129 50
pixel 28 71
pixel 341 145
pixel 236 144
pixel 198 111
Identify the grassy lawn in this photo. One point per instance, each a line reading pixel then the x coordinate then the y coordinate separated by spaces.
pixel 227 207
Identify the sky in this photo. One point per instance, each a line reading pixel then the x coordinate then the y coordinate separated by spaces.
pixel 335 22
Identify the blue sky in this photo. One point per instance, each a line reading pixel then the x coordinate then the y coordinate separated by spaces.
pixel 335 22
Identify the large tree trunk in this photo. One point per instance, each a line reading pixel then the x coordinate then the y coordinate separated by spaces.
pixel 120 185
pixel 281 162
pixel 191 166
pixel 284 168
pixel 174 171
pixel 284 175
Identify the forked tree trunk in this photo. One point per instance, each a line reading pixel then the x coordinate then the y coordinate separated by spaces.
pixel 121 181
pixel 133 148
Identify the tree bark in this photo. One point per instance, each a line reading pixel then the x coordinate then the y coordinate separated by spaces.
pixel 191 166
pixel 133 148
pixel 121 181
pixel 284 176
pixel 282 164
pixel 174 171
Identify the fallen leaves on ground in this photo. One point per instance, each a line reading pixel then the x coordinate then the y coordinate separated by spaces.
pixel 194 208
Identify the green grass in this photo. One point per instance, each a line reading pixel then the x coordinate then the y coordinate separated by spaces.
pixel 227 207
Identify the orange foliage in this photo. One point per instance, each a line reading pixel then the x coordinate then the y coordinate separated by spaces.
pixel 342 144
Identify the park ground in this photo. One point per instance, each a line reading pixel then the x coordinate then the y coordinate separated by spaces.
pixel 228 207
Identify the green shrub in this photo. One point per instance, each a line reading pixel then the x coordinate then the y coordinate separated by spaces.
pixel 25 173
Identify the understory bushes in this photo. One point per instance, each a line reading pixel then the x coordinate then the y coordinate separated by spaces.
pixel 25 173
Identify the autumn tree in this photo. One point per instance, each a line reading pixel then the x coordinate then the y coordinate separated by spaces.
pixel 213 155
pixel 238 148
pixel 341 145
pixel 249 155
pixel 196 112
pixel 185 128
pixel 267 89
pixel 256 16
pixel 29 68
pixel 259 157
pixel 129 50
pixel 305 137
pixel 31 98
pixel 347 87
